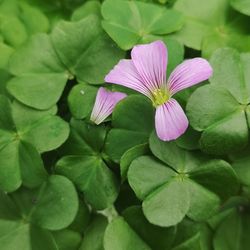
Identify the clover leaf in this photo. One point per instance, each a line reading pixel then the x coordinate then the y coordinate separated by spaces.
pixel 18 21
pixel 85 164
pixel 132 120
pixel 220 110
pixel 93 237
pixel 22 138
pixel 242 6
pixel 237 224
pixel 212 24
pixel 119 235
pixel 130 22
pixel 27 215
pixel 187 185
pixel 44 64
pixel 132 228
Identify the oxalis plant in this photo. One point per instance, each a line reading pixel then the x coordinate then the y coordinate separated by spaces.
pixel 124 125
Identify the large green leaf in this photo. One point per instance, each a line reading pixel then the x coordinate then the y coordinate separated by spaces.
pixel 130 22
pixel 24 133
pixel 188 185
pixel 44 64
pixel 85 165
pixel 85 49
pixel 130 127
pixel 220 109
pixel 23 212
pixel 212 24
pixel 52 206
pixel 39 82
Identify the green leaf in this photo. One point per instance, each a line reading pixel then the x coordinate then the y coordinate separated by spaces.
pixel 167 205
pixel 38 83
pixel 231 72
pixel 88 8
pixel 119 236
pixel 178 158
pixel 156 237
pixel 219 109
pixel 130 128
pixel 31 165
pixel 85 164
pixel 190 184
pixel 203 203
pixel 236 225
pixel 93 237
pixel 67 239
pixel 92 177
pixel 143 180
pixel 216 174
pixel 17 231
pixel 86 51
pixel 241 167
pixel 242 6
pixel 53 128
pixel 129 23
pixel 212 24
pixel 81 100
pixel 129 156
pixel 10 178
pixel 53 206
pixel 16 236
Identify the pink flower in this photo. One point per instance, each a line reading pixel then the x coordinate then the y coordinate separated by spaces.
pixel 104 104
pixel 146 73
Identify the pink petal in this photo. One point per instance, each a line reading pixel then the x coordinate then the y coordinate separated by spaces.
pixel 104 104
pixel 170 120
pixel 189 73
pixel 150 61
pixel 125 74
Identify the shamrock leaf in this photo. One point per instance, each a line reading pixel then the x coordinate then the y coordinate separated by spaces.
pixel 133 228
pixel 220 110
pixel 22 138
pixel 241 166
pixel 26 215
pixel 132 120
pixel 93 236
pixel 242 6
pixel 189 184
pixel 88 8
pixel 119 235
pixel 129 23
pixel 212 24
pixel 18 21
pixel 65 54
pixel 85 165
pixel 237 224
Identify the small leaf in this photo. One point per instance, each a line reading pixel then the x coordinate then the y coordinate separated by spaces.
pixel 119 236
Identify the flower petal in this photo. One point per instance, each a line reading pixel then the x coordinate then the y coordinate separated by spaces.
pixel 150 61
pixel 125 74
pixel 104 104
pixel 189 73
pixel 170 120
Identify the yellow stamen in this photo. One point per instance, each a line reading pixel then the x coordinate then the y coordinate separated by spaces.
pixel 160 96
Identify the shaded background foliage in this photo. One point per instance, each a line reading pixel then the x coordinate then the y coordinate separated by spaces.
pixel 66 184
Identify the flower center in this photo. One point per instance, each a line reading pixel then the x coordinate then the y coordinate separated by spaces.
pixel 160 96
